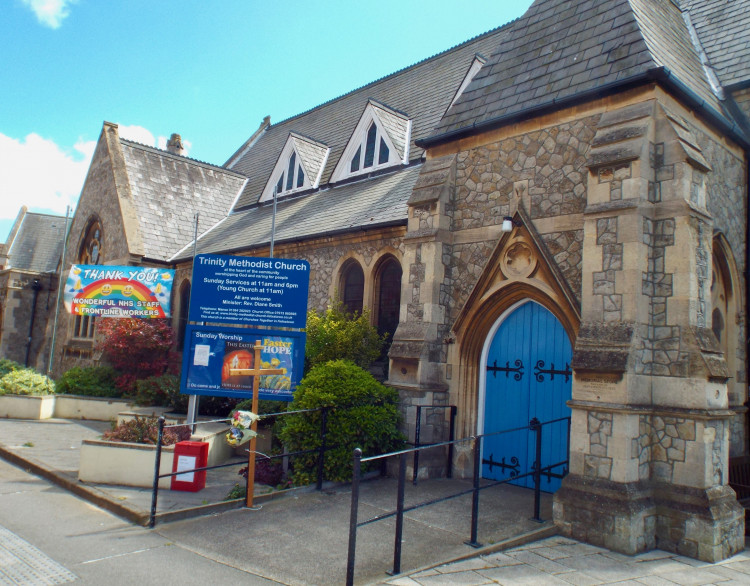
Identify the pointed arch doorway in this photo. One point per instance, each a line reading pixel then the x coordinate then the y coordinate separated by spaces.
pixel 525 369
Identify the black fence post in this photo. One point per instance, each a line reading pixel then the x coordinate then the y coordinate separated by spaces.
pixel 417 434
pixel 451 438
pixel 157 467
pixel 356 465
pixel 399 515
pixel 475 497
pixel 536 427
pixel 322 452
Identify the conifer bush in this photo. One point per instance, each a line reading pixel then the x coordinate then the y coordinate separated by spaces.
pixel 362 413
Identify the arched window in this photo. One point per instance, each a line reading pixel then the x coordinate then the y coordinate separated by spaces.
pixel 353 287
pixel 90 253
pixel 389 297
pixel 724 316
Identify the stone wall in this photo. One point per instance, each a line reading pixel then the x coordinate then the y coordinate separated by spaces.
pixel 18 295
pixel 551 163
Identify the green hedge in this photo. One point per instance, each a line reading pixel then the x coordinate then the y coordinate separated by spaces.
pixel 364 414
pixel 90 381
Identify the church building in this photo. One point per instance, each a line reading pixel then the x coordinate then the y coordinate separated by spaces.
pixel 550 221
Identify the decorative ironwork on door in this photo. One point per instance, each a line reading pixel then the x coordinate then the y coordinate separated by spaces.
pixel 529 335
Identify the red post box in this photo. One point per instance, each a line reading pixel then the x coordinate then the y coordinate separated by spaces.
pixel 189 456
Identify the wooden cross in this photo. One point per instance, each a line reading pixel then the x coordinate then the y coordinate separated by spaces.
pixel 256 372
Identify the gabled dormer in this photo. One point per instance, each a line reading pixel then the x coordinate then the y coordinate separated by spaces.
pixel 298 168
pixel 474 68
pixel 380 140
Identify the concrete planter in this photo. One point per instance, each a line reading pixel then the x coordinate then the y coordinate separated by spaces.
pixel 129 464
pixel 92 408
pixel 123 463
pixel 27 406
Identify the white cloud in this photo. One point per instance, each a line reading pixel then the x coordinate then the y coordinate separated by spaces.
pixel 144 136
pixel 36 172
pixel 50 12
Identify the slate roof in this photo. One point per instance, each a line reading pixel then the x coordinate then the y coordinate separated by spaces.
pixel 422 92
pixel 561 50
pixel 37 244
pixel 379 201
pixel 169 189
pixel 723 27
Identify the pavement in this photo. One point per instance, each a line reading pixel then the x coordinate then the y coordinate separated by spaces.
pixel 50 533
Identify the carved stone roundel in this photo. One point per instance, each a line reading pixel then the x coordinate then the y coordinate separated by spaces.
pixel 519 260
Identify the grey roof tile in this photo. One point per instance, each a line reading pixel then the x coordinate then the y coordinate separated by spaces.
pixel 422 92
pixel 723 27
pixel 611 41
pixel 377 201
pixel 38 244
pixel 167 192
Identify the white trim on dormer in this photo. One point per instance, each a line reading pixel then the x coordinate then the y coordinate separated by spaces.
pixel 391 128
pixel 301 157
pixel 476 65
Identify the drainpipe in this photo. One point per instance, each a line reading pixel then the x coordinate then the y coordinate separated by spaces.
pixel 36 286
pixel 747 294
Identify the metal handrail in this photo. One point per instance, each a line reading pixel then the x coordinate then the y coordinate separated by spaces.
pixel 534 426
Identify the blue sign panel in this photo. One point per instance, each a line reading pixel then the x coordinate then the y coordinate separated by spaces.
pixel 223 362
pixel 247 290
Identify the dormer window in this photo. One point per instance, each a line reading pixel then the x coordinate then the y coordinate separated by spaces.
pixel 299 167
pixel 293 178
pixel 380 140
pixel 373 138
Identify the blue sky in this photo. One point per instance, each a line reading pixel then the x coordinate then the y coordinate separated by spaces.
pixel 209 71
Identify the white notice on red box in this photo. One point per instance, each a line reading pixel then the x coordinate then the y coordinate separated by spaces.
pixel 185 463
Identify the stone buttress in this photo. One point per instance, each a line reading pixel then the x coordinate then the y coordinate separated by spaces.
pixel 650 414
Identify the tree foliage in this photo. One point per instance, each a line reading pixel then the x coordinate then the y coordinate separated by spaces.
pixel 338 335
pixel 137 348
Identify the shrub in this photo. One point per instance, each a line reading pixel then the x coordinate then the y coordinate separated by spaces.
pixel 137 348
pixel 7 366
pixel 363 413
pixel 338 335
pixel 90 381
pixel 265 407
pixel 145 430
pixel 26 382
pixel 159 391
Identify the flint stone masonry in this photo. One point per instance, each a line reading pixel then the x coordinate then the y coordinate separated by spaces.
pixel 597 463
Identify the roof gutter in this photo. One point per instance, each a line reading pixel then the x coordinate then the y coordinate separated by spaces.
pixel 661 75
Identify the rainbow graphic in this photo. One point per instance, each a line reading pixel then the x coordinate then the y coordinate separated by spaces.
pixel 109 291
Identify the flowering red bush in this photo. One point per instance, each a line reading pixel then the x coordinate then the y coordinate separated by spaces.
pixel 137 348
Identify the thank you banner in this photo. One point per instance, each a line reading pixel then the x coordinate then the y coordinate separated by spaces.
pixel 118 291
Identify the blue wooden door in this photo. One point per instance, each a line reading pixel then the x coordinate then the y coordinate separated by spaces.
pixel 527 375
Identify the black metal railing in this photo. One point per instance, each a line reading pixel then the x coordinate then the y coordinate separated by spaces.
pixel 418 436
pixel 320 450
pixel 537 471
